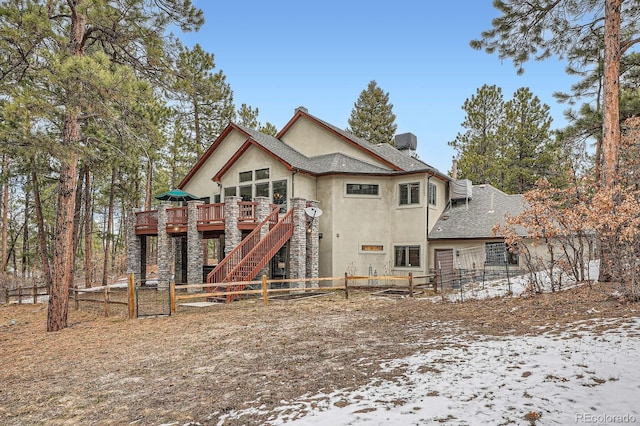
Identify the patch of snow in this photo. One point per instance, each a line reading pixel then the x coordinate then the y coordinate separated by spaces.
pixel 575 377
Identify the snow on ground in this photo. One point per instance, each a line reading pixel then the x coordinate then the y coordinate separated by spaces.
pixel 576 377
pixel 516 285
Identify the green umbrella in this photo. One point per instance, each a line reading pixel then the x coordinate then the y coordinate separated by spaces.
pixel 176 195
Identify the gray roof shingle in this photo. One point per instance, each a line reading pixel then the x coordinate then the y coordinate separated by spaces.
pixel 477 217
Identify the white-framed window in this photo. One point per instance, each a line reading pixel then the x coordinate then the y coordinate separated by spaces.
pixel 432 195
pixel 245 193
pixel 279 188
pixel 409 193
pixel 262 174
pixel 230 191
pixel 245 176
pixel 406 256
pixel 262 189
pixel 363 189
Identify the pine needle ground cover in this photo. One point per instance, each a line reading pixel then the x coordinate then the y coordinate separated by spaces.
pixel 295 361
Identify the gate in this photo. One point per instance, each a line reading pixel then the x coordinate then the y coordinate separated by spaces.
pixel 444 268
pixel 153 299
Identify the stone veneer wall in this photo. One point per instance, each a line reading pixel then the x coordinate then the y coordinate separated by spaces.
pixel 194 245
pixel 134 247
pixel 232 235
pixel 298 243
pixel 164 251
pixel 313 246
pixel 262 211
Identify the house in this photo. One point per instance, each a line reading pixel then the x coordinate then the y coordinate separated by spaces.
pixel 377 207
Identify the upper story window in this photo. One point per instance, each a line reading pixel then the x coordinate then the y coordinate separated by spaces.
pixel 409 193
pixel 433 194
pixel 262 174
pixel 280 194
pixel 362 189
pixel 230 191
pixel 246 176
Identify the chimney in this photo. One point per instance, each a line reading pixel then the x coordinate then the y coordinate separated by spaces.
pixel 454 168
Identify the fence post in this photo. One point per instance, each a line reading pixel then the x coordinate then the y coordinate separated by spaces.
pixel 106 301
pixel 131 288
pixel 76 302
pixel 35 293
pixel 410 284
pixel 346 286
pixel 6 294
pixel 265 296
pixel 172 296
pixel 20 295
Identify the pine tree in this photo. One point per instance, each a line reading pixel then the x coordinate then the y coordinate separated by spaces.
pixel 74 66
pixel 529 152
pixel 205 98
pixel 372 117
pixel 478 147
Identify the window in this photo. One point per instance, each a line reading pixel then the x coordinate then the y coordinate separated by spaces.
pixel 497 254
pixel 280 194
pixel 216 198
pixel 262 174
pixel 246 176
pixel 361 189
pixel 407 256
pixel 262 189
pixel 433 192
pixel 245 193
pixel 372 247
pixel 230 191
pixel 409 193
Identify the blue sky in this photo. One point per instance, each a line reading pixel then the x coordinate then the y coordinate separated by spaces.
pixel 279 55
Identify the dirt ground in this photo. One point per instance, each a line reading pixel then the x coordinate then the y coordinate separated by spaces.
pixel 197 365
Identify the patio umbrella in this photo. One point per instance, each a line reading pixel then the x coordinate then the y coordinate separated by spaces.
pixel 176 195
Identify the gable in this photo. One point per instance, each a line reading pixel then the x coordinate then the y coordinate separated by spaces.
pixel 199 179
pixel 313 138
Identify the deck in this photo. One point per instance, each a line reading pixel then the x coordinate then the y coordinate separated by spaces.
pixel 210 219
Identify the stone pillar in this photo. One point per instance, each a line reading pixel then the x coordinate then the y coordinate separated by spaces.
pixel 262 211
pixel 164 249
pixel 195 261
pixel 232 235
pixel 313 246
pixel 134 247
pixel 298 243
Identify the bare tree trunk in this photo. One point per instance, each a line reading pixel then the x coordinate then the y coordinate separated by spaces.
pixel 5 218
pixel 25 235
pixel 62 276
pixel 88 229
pixel 63 235
pixel 611 134
pixel 109 236
pixel 42 236
pixel 147 192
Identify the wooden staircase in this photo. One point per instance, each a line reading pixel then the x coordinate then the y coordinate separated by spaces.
pixel 252 254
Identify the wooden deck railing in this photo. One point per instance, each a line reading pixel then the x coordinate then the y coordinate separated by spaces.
pixel 210 214
pixel 176 217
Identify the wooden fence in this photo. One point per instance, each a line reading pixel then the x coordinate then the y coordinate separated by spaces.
pixel 265 287
pixel 105 297
pixel 23 294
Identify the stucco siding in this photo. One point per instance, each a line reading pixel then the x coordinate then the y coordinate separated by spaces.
pixel 201 184
pixel 311 140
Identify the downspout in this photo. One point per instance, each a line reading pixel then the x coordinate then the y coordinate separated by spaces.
pixel 428 208
pixel 293 182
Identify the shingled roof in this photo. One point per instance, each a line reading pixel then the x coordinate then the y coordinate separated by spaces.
pixel 476 217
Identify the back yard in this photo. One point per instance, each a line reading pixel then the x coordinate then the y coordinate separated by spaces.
pixel 550 359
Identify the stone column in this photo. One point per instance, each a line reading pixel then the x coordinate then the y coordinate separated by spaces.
pixel 298 243
pixel 134 247
pixel 313 246
pixel 164 250
pixel 195 254
pixel 232 235
pixel 262 211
